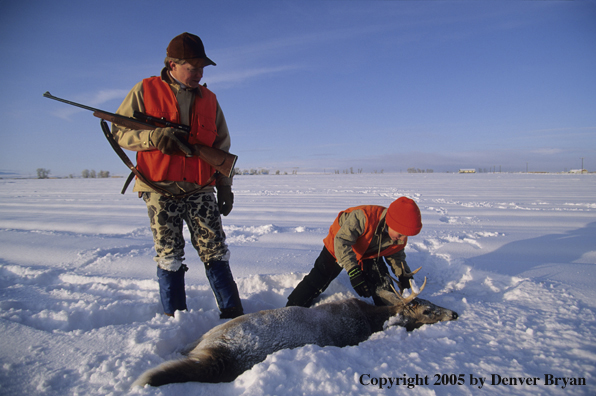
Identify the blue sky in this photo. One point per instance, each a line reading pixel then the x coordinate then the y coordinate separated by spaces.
pixel 315 85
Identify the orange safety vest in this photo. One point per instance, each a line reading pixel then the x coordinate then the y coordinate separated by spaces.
pixel 160 102
pixel 373 217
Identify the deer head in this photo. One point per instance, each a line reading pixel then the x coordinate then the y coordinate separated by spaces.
pixel 413 311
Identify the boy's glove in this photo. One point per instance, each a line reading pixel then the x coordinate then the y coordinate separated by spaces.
pixel 169 141
pixel 225 199
pixel 358 282
pixel 404 283
pixel 402 271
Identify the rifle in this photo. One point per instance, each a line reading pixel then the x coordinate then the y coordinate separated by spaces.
pixel 220 160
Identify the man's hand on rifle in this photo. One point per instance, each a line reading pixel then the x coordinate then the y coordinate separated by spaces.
pixel 169 141
pixel 225 199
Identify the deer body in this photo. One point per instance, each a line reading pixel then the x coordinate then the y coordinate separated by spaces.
pixel 227 350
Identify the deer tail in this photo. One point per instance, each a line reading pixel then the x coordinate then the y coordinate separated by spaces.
pixel 206 366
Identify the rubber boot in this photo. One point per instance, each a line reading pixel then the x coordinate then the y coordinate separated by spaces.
pixel 224 288
pixel 171 289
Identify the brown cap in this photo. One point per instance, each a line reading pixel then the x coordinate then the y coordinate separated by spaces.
pixel 190 48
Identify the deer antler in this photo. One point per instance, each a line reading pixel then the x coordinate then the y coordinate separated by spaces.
pixel 406 300
pixel 406 273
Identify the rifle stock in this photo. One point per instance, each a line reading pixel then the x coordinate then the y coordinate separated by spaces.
pixel 220 160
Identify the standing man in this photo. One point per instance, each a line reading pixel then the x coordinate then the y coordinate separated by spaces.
pixel 163 158
pixel 358 240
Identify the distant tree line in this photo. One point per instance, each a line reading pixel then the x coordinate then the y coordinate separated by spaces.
pixel 90 174
pixel 349 171
pixel 238 171
pixel 43 173
pixel 416 170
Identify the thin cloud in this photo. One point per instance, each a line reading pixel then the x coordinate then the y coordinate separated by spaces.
pixel 244 74
pixel 563 132
pixel 269 52
pixel 547 151
pixel 270 48
pixel 104 96
pixel 66 113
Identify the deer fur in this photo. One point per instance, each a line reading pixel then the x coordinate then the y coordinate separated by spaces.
pixel 228 350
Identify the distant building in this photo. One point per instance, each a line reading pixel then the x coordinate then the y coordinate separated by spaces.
pixel 578 171
pixel 467 171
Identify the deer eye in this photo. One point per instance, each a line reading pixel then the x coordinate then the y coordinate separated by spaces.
pixel 426 312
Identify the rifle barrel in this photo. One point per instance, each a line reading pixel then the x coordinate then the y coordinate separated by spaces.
pixel 50 96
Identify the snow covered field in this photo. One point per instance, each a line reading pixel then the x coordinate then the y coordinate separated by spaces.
pixel 513 254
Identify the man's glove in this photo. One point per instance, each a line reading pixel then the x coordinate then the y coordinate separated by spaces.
pixel 225 199
pixel 169 141
pixel 358 282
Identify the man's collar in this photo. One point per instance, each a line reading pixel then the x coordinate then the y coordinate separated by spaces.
pixel 182 86
pixel 167 77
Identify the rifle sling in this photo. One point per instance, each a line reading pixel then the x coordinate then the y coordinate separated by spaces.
pixel 137 173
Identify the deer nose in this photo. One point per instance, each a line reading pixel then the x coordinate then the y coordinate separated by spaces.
pixel 454 316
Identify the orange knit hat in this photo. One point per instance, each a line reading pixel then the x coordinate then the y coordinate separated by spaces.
pixel 403 216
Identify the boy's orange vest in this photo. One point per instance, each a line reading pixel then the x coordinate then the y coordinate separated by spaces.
pixel 373 217
pixel 160 102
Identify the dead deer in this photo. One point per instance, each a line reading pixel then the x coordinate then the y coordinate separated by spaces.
pixel 228 350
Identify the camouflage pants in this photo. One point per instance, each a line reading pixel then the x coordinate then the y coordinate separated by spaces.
pixel 201 215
